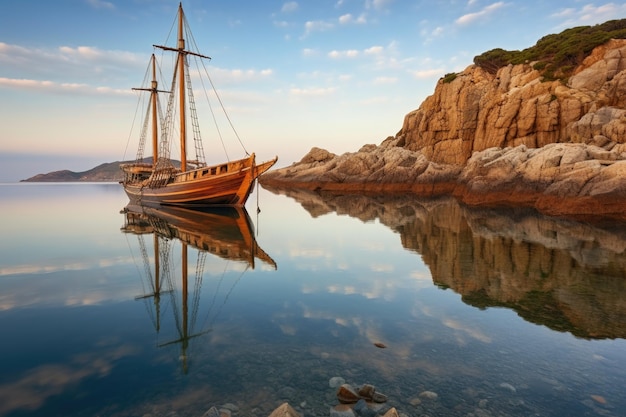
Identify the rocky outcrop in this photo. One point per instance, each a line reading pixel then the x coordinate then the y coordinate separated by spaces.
pixel 507 138
pixel 477 110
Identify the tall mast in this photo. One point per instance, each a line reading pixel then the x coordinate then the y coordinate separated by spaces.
pixel 182 58
pixel 181 90
pixel 154 89
pixel 155 126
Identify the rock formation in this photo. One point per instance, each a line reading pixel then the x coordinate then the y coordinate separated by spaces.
pixel 503 138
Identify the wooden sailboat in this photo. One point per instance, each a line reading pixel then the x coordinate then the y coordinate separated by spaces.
pixel 192 183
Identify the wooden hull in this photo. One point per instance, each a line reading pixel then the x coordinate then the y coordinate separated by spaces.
pixel 225 184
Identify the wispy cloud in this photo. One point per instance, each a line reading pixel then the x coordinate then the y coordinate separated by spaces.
pixel 564 13
pixel 377 4
pixel 385 80
pixel 225 76
pixel 70 61
pixel 590 14
pixel 281 23
pixel 374 50
pixel 429 73
pixel 100 4
pixel 350 53
pixel 309 52
pixel 438 31
pixel 290 6
pixel 348 18
pixel 54 87
pixel 379 57
pixel 374 101
pixel 313 91
pixel 316 26
pixel 485 12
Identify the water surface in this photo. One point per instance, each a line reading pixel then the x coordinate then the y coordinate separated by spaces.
pixel 489 312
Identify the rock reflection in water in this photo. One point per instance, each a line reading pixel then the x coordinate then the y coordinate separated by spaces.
pixel 566 275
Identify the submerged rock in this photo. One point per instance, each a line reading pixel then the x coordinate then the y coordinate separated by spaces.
pixel 429 395
pixel 336 382
pixel 284 410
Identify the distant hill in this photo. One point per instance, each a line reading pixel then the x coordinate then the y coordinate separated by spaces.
pixel 107 172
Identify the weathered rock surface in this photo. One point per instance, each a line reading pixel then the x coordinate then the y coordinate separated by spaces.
pixel 478 110
pixel 508 138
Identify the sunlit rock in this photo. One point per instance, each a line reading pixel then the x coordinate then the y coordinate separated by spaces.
pixel 509 138
pixel 284 410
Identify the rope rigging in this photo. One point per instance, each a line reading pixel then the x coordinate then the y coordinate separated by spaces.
pixel 167 120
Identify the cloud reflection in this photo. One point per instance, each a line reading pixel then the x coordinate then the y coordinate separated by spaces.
pixel 466 329
pixel 73 283
pixel 74 265
pixel 37 385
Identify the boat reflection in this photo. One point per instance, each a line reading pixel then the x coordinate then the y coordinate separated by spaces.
pixel 225 232
pixel 563 274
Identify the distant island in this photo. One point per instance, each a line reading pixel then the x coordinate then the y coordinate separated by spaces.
pixel 107 172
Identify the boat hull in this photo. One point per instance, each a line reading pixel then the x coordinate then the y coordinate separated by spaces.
pixel 226 184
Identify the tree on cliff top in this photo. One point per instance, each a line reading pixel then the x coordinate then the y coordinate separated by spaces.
pixel 557 55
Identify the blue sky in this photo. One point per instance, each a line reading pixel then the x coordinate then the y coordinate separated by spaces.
pixel 336 74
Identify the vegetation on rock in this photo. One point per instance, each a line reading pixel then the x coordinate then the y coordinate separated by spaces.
pixel 556 56
pixel 449 77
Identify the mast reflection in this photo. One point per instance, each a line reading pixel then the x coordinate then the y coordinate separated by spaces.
pixel 224 232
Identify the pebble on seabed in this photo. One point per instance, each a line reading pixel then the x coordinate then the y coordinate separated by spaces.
pixel 336 382
pixel 508 386
pixel 599 399
pixel 415 401
pixel 429 395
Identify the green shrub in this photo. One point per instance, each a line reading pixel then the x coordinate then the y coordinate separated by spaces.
pixel 557 54
pixel 449 77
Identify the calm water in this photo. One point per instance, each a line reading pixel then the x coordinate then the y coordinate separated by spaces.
pixel 483 313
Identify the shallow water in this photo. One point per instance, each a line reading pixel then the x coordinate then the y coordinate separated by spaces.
pixel 481 312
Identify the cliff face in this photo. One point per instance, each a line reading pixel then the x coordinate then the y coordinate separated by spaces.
pixel 477 110
pixel 508 138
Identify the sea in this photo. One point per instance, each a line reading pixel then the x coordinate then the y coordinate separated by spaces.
pixel 108 309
